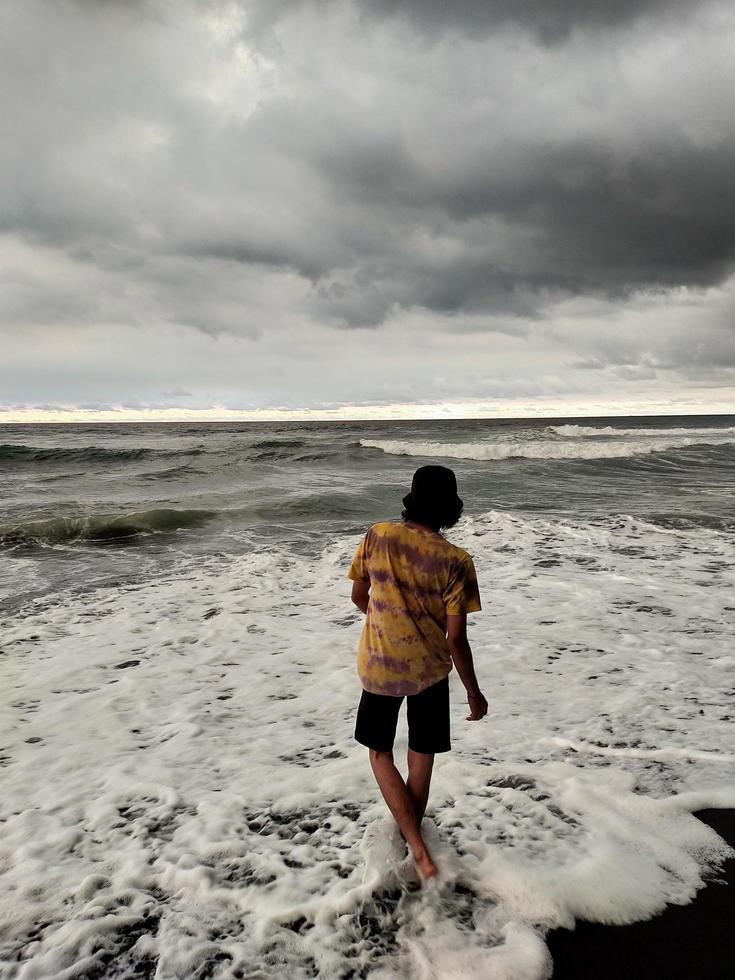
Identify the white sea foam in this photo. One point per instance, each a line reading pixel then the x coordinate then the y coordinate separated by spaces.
pixel 584 431
pixel 181 785
pixel 540 448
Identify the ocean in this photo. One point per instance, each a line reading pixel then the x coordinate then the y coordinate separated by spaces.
pixel 182 796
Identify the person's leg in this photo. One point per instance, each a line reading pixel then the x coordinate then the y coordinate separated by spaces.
pixel 428 733
pixel 420 765
pixel 401 805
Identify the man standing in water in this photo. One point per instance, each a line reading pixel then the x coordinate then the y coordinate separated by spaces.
pixel 416 589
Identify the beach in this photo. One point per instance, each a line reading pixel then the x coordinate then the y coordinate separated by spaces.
pixel 182 795
pixel 682 942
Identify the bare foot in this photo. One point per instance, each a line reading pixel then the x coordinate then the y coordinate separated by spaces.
pixel 425 866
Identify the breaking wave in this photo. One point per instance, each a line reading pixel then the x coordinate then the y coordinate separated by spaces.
pixel 533 449
pixel 587 431
pixel 101 528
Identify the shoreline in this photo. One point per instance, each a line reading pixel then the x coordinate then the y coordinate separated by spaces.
pixel 681 943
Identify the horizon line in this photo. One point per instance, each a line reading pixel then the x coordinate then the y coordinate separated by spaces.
pixel 296 416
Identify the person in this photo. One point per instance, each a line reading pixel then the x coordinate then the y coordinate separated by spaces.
pixel 416 589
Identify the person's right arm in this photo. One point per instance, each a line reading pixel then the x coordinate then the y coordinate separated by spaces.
pixel 358 572
pixel 459 649
pixel 361 594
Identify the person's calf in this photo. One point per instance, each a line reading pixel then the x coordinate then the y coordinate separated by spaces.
pixel 420 767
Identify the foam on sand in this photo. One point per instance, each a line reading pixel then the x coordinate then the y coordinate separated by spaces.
pixel 181 792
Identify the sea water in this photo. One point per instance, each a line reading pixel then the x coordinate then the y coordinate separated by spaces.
pixel 181 794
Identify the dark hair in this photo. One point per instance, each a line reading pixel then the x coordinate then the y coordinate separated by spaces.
pixel 438 514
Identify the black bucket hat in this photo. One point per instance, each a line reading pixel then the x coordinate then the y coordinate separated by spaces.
pixel 432 486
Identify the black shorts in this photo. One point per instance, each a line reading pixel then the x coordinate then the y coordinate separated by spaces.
pixel 428 719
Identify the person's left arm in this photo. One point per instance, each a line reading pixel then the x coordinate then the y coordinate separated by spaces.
pixel 463 596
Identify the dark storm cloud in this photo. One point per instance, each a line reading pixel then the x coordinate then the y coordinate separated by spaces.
pixel 596 219
pixel 531 219
pixel 535 215
pixel 475 163
pixel 549 20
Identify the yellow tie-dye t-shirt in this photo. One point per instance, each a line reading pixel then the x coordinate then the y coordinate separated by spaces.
pixel 416 578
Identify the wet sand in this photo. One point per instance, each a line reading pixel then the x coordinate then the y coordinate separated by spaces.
pixel 685 942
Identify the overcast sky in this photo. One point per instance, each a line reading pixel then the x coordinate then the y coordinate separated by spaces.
pixel 407 206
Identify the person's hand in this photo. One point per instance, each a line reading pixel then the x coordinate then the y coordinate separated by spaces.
pixel 478 706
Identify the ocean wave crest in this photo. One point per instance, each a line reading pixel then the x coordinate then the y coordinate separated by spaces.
pixel 291 450
pixel 12 453
pixel 279 444
pixel 589 431
pixel 101 528
pixel 530 449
